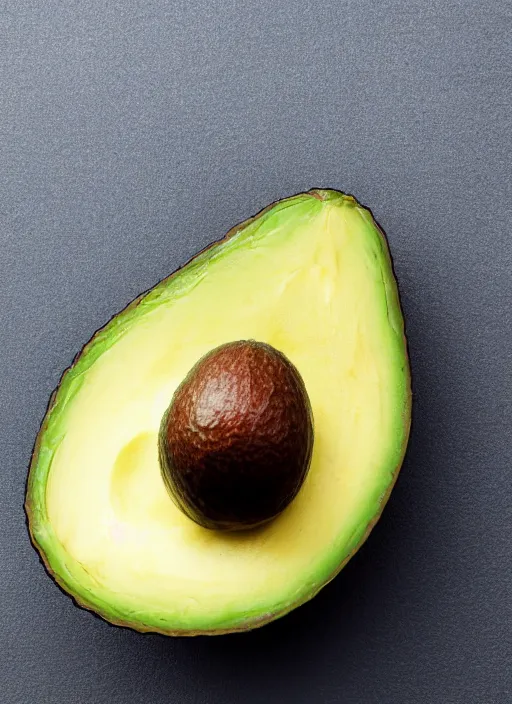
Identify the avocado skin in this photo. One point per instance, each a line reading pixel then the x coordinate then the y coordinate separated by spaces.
pixel 236 442
pixel 33 511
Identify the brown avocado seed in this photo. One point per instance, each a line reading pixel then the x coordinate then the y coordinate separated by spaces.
pixel 235 443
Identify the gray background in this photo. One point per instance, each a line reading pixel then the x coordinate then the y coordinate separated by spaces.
pixel 134 133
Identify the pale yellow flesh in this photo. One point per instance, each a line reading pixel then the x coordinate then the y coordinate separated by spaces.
pixel 318 294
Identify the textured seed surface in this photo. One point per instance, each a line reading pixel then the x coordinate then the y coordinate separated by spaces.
pixel 236 441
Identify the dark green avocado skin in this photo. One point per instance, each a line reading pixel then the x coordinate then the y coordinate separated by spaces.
pixel 235 444
pixel 76 582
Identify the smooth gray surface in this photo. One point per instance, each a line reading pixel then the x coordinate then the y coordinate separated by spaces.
pixel 131 135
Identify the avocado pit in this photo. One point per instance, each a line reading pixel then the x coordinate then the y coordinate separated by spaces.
pixel 235 443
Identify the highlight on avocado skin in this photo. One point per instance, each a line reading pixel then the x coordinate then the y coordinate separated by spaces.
pixel 132 515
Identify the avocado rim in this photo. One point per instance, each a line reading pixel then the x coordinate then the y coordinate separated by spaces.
pixel 252 622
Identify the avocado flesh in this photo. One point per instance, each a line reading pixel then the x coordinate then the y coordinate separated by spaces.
pixel 310 275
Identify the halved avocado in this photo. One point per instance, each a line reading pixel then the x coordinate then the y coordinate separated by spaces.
pixel 310 275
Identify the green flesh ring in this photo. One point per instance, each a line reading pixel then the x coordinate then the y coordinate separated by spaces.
pixel 310 275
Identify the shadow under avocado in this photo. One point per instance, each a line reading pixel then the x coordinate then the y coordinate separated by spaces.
pixel 365 592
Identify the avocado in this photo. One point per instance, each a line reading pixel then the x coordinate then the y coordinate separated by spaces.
pixel 235 444
pixel 312 277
